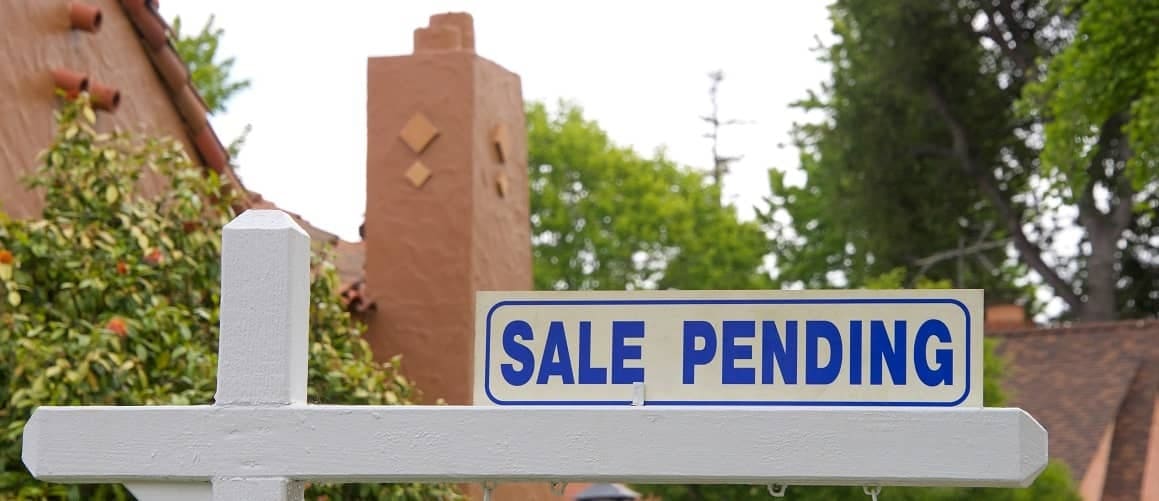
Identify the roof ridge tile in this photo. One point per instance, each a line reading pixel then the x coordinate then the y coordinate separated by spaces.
pixel 183 95
pixel 1113 326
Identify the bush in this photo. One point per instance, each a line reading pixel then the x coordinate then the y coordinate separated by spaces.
pixel 111 298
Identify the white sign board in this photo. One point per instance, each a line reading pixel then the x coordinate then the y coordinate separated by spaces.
pixel 887 348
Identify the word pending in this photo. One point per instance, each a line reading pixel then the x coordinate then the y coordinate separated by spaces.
pixel 788 352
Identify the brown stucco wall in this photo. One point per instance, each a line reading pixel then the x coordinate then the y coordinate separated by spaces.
pixel 430 248
pixel 36 38
pixel 502 229
pixel 419 240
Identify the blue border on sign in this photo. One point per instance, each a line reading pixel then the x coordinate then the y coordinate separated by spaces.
pixel 734 403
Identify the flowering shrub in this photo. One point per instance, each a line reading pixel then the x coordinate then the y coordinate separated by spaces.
pixel 111 298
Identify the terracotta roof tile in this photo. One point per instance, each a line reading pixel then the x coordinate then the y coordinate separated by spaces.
pixel 1080 379
pixel 350 257
pixel 154 33
pixel 256 201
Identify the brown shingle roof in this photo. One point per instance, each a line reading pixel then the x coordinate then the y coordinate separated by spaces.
pixel 1079 380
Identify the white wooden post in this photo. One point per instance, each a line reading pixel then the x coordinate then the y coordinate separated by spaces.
pixel 265 305
pixel 260 440
pixel 262 362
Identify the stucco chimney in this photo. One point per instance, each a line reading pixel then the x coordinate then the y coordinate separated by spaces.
pixel 447 208
pixel 446 214
pixel 1006 316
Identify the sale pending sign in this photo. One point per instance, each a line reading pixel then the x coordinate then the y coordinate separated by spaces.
pixel 896 348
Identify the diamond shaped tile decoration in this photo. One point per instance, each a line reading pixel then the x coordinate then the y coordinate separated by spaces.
pixel 501 184
pixel 499 139
pixel 418 132
pixel 418 174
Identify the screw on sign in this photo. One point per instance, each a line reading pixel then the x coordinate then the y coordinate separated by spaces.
pixel 779 490
pixel 261 441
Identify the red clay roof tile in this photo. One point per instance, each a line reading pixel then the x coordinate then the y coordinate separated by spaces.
pixel 149 23
pixel 194 112
pixel 154 33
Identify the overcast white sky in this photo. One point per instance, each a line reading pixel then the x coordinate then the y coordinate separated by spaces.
pixel 639 68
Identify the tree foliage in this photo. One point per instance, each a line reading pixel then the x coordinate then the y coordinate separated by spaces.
pixel 879 192
pixel 933 136
pixel 210 73
pixel 596 206
pixel 111 298
pixel 1098 102
pixel 605 217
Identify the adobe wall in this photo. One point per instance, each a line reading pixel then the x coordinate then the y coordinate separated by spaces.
pixel 37 38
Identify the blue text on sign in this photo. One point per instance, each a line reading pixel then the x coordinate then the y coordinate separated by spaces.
pixel 781 346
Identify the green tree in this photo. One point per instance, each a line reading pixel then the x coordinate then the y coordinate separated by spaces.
pixel 879 194
pixel 111 298
pixel 928 141
pixel 210 73
pixel 1054 483
pixel 605 217
pixel 1099 105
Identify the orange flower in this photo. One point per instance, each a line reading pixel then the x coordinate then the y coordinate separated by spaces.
pixel 5 257
pixel 117 326
pixel 122 268
pixel 154 256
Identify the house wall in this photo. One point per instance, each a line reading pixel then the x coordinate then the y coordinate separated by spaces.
pixel 1131 442
pixel 1091 486
pixel 1151 466
pixel 37 38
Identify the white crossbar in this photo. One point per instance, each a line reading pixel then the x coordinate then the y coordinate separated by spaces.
pixel 930 447
pixel 260 441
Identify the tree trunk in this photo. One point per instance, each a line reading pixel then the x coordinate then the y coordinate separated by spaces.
pixel 1028 251
pixel 1099 304
pixel 1104 230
